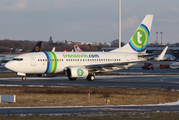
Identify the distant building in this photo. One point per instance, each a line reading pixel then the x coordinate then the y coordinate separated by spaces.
pixel 70 43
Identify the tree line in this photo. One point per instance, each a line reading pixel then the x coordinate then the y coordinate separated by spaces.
pixel 12 46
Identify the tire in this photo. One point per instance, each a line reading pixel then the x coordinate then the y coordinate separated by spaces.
pixel 24 78
pixel 90 77
pixel 72 79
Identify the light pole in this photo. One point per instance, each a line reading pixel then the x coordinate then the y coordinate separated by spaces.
pixel 161 38
pixel 119 23
pixel 157 39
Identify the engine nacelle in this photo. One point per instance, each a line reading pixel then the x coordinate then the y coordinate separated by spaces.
pixel 76 72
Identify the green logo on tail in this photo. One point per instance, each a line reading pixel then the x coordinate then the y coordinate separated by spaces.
pixel 139 40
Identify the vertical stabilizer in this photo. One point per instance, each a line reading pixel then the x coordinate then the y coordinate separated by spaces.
pixel 138 42
pixel 37 47
pixel 77 48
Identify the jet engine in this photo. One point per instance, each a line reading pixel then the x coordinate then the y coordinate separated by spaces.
pixel 76 72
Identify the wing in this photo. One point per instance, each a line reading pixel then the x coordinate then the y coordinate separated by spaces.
pixel 110 66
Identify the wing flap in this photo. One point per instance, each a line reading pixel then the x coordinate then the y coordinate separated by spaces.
pixel 110 66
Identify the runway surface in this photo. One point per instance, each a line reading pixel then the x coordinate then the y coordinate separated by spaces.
pixel 100 81
pixel 91 109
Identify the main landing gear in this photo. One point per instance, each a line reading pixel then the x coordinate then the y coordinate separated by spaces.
pixel 90 77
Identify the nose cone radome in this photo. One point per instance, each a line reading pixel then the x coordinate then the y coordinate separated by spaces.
pixel 9 65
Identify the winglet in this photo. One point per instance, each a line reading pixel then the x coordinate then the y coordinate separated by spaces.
pixel 53 49
pixel 162 54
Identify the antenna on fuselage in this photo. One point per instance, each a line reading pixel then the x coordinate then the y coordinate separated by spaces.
pixel 119 23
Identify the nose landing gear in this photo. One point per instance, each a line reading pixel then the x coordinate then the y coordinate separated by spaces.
pixel 24 78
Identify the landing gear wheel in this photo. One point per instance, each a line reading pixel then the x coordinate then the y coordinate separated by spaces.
pixel 24 78
pixel 90 77
pixel 72 79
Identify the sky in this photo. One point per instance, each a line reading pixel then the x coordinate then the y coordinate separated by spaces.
pixel 86 20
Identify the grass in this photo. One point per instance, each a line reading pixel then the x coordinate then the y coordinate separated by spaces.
pixel 77 96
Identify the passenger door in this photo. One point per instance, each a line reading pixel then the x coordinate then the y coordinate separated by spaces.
pixel 33 63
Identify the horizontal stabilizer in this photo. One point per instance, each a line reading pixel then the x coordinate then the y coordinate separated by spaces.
pixel 159 58
pixel 146 55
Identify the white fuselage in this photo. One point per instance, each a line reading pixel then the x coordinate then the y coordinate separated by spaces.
pixel 56 62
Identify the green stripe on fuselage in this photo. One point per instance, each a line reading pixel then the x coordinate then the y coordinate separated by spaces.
pixel 54 62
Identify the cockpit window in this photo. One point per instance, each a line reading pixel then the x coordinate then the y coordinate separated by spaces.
pixel 17 59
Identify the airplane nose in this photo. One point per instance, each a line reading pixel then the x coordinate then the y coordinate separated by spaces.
pixel 9 65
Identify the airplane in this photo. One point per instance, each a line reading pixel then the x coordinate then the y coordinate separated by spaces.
pixel 86 64
pixel 7 57
pixel 77 48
